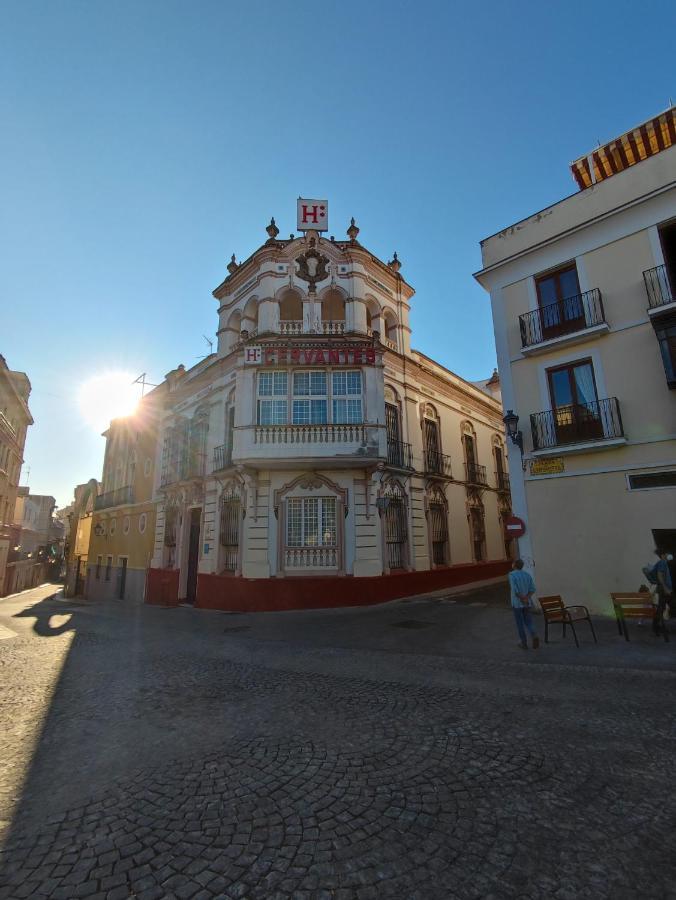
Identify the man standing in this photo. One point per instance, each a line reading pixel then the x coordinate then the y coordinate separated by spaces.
pixel 665 594
pixel 523 588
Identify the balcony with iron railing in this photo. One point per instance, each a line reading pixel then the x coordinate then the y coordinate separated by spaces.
pixel 596 422
pixel 475 474
pixel 284 446
pixel 118 497
pixel 399 454
pixel 222 457
pixel 437 463
pixel 658 287
pixel 193 467
pixel 580 316
pixel 502 481
pixel 297 326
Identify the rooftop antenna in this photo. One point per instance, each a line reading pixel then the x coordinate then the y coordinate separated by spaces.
pixel 210 343
pixel 142 381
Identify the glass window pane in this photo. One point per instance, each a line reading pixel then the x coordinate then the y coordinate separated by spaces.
pixel 329 531
pixel 301 412
pixel 280 384
pixel 294 532
pixel 318 384
pixel 547 290
pixel 568 283
pixel 354 382
pixel 562 394
pixel 301 384
pixel 584 383
pixel 318 412
pixel 265 384
pixel 311 521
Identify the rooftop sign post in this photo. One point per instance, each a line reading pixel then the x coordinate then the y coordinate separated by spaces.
pixel 313 215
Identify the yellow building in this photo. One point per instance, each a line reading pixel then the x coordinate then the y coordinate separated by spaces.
pixel 583 297
pixel 123 521
pixel 79 518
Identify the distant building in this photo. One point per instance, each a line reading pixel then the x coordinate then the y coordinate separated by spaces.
pixel 79 517
pixel 15 418
pixel 316 452
pixel 123 520
pixel 584 310
pixel 36 553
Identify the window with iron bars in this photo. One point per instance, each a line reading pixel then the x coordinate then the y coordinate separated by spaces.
pixel 231 515
pixel 438 524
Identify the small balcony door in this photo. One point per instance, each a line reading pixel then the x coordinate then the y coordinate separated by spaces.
pixel 668 241
pixel 392 427
pixel 575 403
pixel 561 308
pixel 432 446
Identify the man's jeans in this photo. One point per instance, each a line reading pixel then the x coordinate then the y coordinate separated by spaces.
pixel 524 622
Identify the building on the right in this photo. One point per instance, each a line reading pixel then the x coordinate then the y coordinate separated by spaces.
pixel 583 297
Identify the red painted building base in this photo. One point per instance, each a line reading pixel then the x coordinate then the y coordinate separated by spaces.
pixel 271 594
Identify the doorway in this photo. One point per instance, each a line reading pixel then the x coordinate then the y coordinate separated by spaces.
pixel 665 542
pixel 121 577
pixel 193 553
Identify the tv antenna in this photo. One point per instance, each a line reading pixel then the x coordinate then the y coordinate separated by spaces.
pixel 210 343
pixel 142 381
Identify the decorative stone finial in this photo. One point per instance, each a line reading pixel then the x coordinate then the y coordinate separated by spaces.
pixel 352 231
pixel 233 265
pixel 394 263
pixel 272 229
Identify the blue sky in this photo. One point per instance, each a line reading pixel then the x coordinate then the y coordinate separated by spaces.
pixel 144 142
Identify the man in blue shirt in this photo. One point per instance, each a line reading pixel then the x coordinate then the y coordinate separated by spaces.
pixel 523 587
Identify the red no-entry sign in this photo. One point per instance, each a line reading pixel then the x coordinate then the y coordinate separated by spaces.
pixel 514 527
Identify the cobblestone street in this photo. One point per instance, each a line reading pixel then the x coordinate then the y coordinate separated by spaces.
pixel 406 751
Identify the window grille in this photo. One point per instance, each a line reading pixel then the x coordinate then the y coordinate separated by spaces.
pixel 231 515
pixel 478 532
pixel 438 525
pixel 311 533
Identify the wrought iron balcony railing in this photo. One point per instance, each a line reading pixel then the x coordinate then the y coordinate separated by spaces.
pixel 437 463
pixel 598 420
pixel 658 287
pixel 562 318
pixel 475 474
pixel 399 454
pixel 115 498
pixel 222 457
pixel 502 481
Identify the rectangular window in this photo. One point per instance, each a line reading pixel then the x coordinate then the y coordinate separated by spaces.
pixel 560 301
pixel 648 480
pixel 310 411
pixel 311 522
pixel 272 411
pixel 347 399
pixel 98 567
pixel 109 566
pixel 666 336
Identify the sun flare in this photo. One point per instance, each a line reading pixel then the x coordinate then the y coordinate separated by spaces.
pixel 108 396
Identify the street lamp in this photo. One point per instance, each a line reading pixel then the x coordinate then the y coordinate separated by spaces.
pixel 511 421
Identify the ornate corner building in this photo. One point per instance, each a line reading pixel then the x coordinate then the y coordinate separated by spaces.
pixel 315 459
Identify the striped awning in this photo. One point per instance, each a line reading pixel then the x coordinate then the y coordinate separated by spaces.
pixel 636 145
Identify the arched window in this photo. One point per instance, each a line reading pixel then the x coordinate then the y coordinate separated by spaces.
pixel 398 452
pixel 230 524
pixel 474 473
pixel 395 525
pixel 477 529
pixel 437 526
pixel 434 460
pixel 291 307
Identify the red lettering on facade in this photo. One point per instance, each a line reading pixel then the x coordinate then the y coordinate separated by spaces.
pixel 270 356
pixel 370 356
pixel 295 355
pixel 334 357
pixel 356 354
pixel 313 212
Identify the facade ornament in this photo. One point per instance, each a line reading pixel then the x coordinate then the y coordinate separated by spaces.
pixel 312 267
pixel 233 265
pixel 352 231
pixel 394 263
pixel 272 230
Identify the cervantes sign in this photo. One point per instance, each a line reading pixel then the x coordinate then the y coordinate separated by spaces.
pixel 345 355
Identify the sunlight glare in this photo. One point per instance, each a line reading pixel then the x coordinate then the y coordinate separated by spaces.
pixel 108 396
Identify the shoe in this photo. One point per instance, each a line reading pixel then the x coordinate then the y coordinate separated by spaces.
pixel 523 645
pixel 536 642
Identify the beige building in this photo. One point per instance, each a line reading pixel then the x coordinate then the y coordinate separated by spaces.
pixel 584 313
pixel 316 458
pixel 15 418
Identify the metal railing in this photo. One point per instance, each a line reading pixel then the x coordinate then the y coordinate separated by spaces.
pixel 222 457
pixel 115 498
pixel 502 481
pixel 309 434
pixel 475 474
pixel 399 454
pixel 436 463
pixel 597 420
pixel 658 287
pixel 565 317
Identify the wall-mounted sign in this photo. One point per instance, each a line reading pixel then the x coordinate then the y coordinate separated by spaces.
pixel 313 215
pixel 345 355
pixel 514 527
pixel 552 466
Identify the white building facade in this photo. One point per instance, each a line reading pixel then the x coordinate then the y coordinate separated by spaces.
pixel 315 444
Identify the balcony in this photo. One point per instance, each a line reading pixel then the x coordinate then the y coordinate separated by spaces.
pixel 502 481
pixel 118 497
pixel 571 320
pixel 437 463
pixel 287 446
pixel 222 458
pixel 309 434
pixel 475 474
pixel 658 288
pixel 193 467
pixel 597 423
pixel 399 455
pixel 303 558
pixel 295 326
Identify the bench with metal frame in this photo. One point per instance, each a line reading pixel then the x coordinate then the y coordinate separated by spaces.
pixel 554 611
pixel 638 605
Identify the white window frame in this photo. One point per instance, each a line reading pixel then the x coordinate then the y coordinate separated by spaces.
pixel 343 403
pixel 304 503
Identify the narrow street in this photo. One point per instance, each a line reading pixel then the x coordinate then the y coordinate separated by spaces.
pixel 407 751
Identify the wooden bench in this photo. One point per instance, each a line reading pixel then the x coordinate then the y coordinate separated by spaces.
pixel 555 611
pixel 636 606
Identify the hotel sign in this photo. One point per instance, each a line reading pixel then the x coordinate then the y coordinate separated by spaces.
pixel 344 355
pixel 552 466
pixel 312 215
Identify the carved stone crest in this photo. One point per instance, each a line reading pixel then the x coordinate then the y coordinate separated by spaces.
pixel 312 267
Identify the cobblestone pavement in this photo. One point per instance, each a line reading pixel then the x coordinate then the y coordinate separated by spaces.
pixel 155 753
